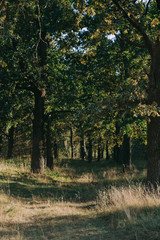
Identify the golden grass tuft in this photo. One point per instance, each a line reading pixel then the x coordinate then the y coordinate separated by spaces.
pixel 124 198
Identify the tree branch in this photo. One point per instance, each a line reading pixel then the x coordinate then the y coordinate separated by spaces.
pixel 130 42
pixel 147 7
pixel 132 20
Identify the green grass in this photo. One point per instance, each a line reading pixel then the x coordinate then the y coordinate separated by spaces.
pixel 78 200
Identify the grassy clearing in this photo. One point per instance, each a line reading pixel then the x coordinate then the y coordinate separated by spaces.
pixel 77 201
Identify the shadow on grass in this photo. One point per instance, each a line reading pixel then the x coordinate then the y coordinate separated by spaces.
pixel 107 227
pixel 25 187
pixel 28 185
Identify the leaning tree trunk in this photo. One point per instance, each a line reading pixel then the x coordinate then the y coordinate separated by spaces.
pixel 37 159
pixel 153 132
pixel 11 138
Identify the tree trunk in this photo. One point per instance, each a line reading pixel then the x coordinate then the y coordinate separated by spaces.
pixel 107 153
pixel 130 152
pixel 99 150
pixel 49 147
pixel 153 147
pixel 90 150
pixel 126 152
pixel 55 149
pixel 82 152
pixel 71 141
pixel 99 154
pixel 153 131
pixel 37 159
pixel 116 153
pixel 117 149
pixel 11 138
pixel 0 142
pixel 102 152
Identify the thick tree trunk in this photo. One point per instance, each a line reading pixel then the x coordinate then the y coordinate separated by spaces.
pixel 37 159
pixel 116 153
pixel 49 146
pixel 153 147
pixel 11 138
pixel 82 152
pixel 90 150
pixel 153 132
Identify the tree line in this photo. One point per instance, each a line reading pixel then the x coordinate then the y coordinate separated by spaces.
pixel 91 66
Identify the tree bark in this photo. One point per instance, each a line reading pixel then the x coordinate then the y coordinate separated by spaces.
pixel 11 138
pixel 153 132
pixel 37 159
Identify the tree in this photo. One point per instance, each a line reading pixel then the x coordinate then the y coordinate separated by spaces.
pixel 152 44
pixel 35 29
pixel 139 22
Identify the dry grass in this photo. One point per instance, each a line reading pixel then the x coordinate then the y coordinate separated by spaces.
pixel 80 206
pixel 124 197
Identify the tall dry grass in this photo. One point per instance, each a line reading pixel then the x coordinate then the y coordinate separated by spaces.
pixel 126 198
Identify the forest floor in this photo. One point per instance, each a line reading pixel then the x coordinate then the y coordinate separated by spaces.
pixel 79 201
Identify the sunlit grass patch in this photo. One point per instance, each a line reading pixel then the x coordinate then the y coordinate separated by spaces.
pixel 117 198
